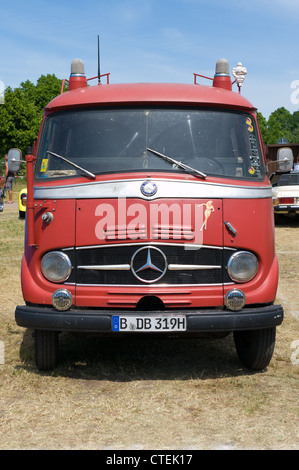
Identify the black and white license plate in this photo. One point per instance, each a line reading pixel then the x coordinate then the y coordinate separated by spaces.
pixel 143 324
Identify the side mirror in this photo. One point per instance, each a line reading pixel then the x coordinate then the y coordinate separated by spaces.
pixel 14 160
pixel 285 159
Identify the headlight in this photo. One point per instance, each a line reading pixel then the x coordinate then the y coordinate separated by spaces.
pixel 56 266
pixel 242 266
pixel 23 199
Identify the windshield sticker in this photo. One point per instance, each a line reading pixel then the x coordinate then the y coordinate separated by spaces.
pixel 44 165
pixel 255 167
pixel 207 213
pixel 249 124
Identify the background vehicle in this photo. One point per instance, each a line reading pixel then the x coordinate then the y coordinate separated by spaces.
pixel 149 210
pixel 22 203
pixel 286 194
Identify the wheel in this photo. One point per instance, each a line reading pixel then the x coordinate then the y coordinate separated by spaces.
pixel 255 347
pixel 46 349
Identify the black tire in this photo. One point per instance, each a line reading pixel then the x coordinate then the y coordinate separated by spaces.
pixel 46 349
pixel 255 347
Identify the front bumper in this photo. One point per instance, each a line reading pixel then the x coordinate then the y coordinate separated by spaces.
pixel 286 209
pixel 100 321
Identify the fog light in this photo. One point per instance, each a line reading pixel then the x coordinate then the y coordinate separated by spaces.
pixel 62 299
pixel 235 299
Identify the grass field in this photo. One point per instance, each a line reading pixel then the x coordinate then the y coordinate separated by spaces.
pixel 159 394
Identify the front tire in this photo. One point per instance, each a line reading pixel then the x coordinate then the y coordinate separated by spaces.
pixel 46 349
pixel 255 347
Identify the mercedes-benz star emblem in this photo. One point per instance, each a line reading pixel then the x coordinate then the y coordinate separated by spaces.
pixel 148 188
pixel 149 264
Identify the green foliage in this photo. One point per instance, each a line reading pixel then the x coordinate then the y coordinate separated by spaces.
pixel 21 113
pixel 263 127
pixel 281 123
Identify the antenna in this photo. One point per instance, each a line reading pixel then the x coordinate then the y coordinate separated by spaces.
pixel 99 73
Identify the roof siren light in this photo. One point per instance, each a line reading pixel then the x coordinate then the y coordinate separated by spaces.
pixel 77 77
pixel 222 75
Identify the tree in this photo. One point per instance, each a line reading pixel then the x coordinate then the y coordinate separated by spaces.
pixel 22 110
pixel 19 121
pixel 263 127
pixel 47 88
pixel 280 124
pixel 295 127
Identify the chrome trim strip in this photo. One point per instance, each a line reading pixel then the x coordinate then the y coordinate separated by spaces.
pixel 158 286
pixel 107 267
pixel 187 246
pixel 167 188
pixel 186 267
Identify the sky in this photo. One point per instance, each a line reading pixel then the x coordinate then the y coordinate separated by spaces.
pixel 156 41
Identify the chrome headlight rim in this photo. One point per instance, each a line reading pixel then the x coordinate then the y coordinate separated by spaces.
pixel 48 267
pixel 234 271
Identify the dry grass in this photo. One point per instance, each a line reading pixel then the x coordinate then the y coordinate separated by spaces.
pixel 159 394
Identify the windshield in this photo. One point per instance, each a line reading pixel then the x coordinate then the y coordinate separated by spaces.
pixel 291 179
pixel 215 142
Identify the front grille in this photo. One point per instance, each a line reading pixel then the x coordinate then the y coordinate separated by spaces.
pixel 185 265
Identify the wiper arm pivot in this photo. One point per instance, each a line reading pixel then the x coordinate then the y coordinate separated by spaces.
pixel 72 163
pixel 176 162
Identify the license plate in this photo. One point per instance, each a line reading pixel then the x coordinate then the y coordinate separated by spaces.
pixel 149 324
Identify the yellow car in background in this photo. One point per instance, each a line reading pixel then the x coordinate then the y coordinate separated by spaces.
pixel 22 203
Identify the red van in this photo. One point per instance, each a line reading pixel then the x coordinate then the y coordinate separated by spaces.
pixel 149 210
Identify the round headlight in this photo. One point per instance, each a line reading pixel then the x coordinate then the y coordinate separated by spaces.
pixel 56 266
pixel 242 266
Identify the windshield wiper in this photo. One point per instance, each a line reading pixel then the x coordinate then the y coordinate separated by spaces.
pixel 180 164
pixel 73 164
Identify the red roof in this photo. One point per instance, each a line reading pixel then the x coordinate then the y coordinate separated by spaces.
pixel 150 93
